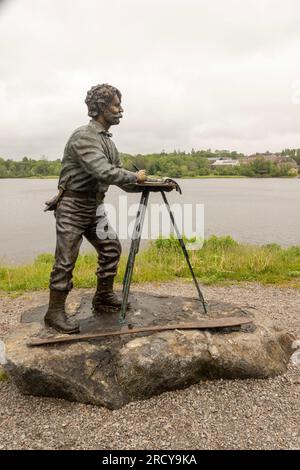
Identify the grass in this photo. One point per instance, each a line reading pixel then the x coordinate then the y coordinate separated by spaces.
pixel 221 260
pixel 40 177
pixel 3 376
pixel 214 176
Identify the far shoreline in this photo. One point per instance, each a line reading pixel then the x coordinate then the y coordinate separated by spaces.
pixel 181 178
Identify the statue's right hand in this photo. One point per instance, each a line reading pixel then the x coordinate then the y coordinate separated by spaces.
pixel 141 176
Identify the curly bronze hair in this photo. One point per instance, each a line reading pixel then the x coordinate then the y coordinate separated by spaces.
pixel 99 97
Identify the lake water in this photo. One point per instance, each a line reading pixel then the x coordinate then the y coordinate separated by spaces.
pixel 257 211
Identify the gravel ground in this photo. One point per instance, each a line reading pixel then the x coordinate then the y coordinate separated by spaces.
pixel 248 414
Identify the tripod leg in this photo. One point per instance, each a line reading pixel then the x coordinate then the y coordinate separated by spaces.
pixel 134 248
pixel 143 201
pixel 186 255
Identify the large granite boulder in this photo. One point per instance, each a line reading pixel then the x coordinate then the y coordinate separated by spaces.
pixel 113 371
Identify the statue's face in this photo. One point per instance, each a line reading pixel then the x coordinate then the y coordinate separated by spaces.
pixel 113 113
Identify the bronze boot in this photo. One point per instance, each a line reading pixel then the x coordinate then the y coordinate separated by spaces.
pixel 56 315
pixel 105 296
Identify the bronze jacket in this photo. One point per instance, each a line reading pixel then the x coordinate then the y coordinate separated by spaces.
pixel 91 162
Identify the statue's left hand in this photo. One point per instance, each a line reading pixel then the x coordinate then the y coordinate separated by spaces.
pixel 171 187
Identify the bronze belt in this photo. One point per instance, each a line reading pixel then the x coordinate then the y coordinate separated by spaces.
pixel 80 194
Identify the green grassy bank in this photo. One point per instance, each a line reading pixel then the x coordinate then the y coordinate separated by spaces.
pixel 220 260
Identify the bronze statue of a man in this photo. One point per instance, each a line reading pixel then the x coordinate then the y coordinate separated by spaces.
pixel 90 164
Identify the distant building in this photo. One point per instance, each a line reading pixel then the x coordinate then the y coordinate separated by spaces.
pixel 212 160
pixel 277 159
pixel 269 157
pixel 224 162
pixel 291 162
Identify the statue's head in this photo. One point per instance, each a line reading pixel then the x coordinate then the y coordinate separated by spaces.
pixel 104 101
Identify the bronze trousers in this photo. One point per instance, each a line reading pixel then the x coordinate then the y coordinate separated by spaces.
pixel 77 218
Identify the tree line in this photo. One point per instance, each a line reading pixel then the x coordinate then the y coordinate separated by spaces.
pixel 28 167
pixel 176 164
pixel 197 163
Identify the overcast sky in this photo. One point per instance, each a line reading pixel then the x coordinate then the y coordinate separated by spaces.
pixel 193 73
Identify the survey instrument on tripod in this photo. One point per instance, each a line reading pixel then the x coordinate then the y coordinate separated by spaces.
pixel 153 185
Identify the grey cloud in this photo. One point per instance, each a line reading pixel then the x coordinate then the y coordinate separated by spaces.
pixel 194 73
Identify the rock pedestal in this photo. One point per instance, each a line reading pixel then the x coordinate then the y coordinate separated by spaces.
pixel 113 371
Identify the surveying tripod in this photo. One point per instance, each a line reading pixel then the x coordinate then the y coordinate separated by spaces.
pixel 152 186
